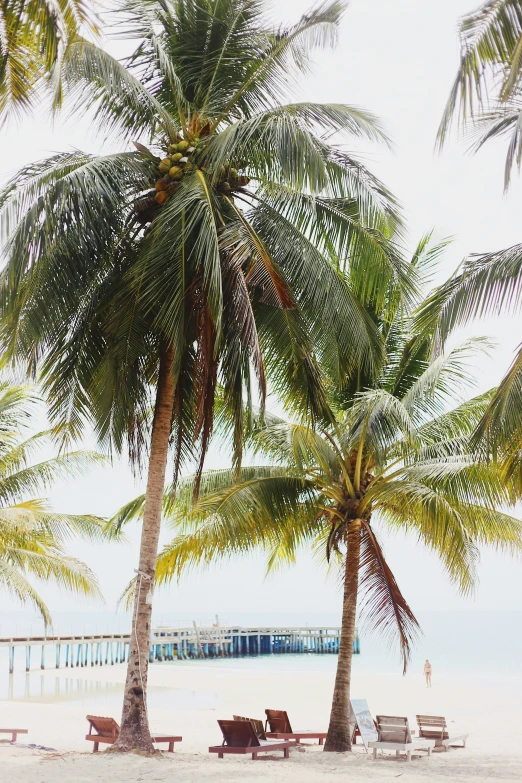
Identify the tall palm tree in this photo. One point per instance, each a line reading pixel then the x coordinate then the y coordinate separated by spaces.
pixel 32 535
pixel 34 35
pixel 204 258
pixel 396 456
pixel 485 285
pixel 486 94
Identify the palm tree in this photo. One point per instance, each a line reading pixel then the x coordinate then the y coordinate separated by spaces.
pixel 205 259
pixel 33 40
pixel 485 285
pixel 396 456
pixel 486 90
pixel 33 536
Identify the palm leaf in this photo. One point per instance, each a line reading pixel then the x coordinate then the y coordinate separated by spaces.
pixel 382 604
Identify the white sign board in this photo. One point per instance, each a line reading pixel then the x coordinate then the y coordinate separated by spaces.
pixel 364 720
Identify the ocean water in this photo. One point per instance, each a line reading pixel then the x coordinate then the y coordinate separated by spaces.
pixel 459 642
pixel 483 646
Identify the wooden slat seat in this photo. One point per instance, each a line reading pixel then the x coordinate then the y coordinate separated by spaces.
pixel 280 728
pixel 394 734
pixel 239 737
pixel 257 724
pixel 107 730
pixel 435 727
pixel 14 733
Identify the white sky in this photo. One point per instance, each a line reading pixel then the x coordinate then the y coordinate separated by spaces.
pixel 397 59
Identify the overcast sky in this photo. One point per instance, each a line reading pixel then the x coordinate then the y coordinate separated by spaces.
pixel 396 58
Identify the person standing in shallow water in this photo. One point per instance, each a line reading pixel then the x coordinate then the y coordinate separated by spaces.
pixel 427 673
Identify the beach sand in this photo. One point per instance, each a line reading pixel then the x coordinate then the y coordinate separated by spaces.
pixel 490 710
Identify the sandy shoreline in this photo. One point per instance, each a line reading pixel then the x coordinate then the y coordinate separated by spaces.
pixel 492 715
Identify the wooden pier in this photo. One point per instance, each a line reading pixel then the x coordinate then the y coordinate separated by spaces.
pixel 175 643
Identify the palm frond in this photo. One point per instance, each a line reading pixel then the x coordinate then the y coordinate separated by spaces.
pixel 484 285
pixel 490 50
pixel 15 583
pixel 383 607
pixel 502 419
pixel 122 103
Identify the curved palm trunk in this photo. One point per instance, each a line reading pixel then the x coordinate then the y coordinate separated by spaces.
pixel 135 732
pixel 338 738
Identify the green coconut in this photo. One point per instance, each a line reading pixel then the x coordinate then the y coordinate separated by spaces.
pixel 165 165
pixel 242 181
pixel 177 157
pixel 183 146
pixel 175 172
pixel 233 173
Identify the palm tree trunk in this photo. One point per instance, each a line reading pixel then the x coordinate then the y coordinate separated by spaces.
pixel 135 732
pixel 338 737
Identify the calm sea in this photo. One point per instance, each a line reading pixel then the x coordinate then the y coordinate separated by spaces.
pixel 457 642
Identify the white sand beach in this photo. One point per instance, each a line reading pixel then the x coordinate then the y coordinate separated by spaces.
pixel 490 711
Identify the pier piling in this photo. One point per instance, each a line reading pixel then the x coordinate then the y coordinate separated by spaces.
pixel 169 644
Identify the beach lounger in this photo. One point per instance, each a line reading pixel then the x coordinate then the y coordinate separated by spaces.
pixel 14 733
pixel 394 734
pixel 280 728
pixel 257 724
pixel 435 727
pixel 107 730
pixel 239 737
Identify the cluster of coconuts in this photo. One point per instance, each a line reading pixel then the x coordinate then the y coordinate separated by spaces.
pixel 177 163
pixel 230 179
pixel 173 168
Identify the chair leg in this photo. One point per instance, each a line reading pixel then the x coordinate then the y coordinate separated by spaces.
pixel 287 753
pixel 220 755
pixel 374 753
pixel 397 753
pixel 408 756
pixel 96 746
pixel 254 756
pixel 171 747
pixel 14 736
pixel 321 740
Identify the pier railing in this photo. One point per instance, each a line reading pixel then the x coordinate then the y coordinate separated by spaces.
pixel 180 643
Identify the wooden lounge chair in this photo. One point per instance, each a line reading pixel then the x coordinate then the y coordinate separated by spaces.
pixel 435 727
pixel 394 734
pixel 357 733
pixel 257 724
pixel 280 728
pixel 239 736
pixel 107 730
pixel 14 733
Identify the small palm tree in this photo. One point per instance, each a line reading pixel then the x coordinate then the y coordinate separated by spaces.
pixel 33 40
pixel 32 535
pixel 396 456
pixel 206 259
